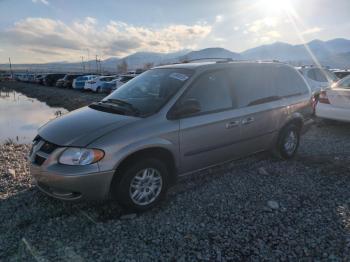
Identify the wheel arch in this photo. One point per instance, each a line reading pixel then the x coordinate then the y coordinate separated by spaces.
pixel 296 119
pixel 158 152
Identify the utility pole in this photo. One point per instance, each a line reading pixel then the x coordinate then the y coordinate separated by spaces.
pixel 82 64
pixel 88 60
pixel 10 67
pixel 96 65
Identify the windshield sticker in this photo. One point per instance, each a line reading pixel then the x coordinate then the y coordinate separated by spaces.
pixel 178 76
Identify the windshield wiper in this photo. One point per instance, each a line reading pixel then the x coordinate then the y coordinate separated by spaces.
pixel 122 103
pixel 105 108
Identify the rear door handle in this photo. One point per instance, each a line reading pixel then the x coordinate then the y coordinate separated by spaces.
pixel 248 120
pixel 232 124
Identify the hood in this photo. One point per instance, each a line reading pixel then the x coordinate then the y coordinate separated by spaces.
pixel 82 126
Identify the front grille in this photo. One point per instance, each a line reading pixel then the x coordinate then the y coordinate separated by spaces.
pixel 48 147
pixel 39 160
pixel 40 150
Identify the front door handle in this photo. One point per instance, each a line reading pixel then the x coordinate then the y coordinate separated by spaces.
pixel 232 124
pixel 248 120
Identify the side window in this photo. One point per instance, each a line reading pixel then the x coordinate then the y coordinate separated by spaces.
pixel 253 84
pixel 311 74
pixel 317 75
pixel 289 82
pixel 212 91
pixel 320 75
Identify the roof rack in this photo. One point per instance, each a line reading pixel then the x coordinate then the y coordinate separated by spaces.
pixel 220 59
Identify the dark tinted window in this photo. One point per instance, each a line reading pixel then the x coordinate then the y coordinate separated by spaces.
pixel 289 82
pixel 105 79
pixel 71 77
pixel 125 79
pixel 253 84
pixel 212 91
pixel 316 74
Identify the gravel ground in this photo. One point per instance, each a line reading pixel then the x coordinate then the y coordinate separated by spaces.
pixel 258 208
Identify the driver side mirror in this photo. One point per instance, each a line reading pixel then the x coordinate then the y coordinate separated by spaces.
pixel 186 108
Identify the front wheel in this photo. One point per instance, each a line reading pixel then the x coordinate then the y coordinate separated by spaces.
pixel 288 142
pixel 141 185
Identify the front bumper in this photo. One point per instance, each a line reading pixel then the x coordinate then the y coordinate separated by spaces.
pixel 89 186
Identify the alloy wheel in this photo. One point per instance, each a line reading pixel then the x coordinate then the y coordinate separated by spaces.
pixel 145 186
pixel 291 142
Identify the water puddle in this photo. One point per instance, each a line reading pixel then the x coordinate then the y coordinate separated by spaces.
pixel 21 116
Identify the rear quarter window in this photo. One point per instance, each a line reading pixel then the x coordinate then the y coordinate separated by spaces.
pixel 254 84
pixel 289 82
pixel 317 75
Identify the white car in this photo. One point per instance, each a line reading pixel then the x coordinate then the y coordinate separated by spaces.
pixel 122 80
pixel 318 78
pixel 79 82
pixel 334 103
pixel 96 83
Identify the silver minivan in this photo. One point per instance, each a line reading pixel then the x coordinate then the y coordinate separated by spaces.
pixel 167 122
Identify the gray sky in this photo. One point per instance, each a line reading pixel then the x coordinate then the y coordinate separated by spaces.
pixel 36 31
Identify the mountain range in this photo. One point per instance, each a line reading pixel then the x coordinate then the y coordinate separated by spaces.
pixel 334 53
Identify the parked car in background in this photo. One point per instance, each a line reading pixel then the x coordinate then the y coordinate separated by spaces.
pixel 107 87
pixel 67 80
pixel 5 77
pixel 318 78
pixel 341 73
pixel 59 82
pixel 32 78
pixel 334 103
pixel 168 122
pixel 40 79
pixel 96 83
pixel 79 82
pixel 27 77
pixel 51 79
pixel 36 77
pixel 122 80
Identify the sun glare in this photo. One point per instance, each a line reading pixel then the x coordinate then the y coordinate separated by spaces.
pixel 276 5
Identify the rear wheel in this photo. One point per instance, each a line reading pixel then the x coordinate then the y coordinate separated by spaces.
pixel 288 142
pixel 141 185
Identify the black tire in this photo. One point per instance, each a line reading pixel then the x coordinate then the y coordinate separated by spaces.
pixel 282 150
pixel 121 184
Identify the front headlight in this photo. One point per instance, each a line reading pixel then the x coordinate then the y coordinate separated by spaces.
pixel 80 156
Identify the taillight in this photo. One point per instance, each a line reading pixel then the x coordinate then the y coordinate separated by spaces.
pixel 323 98
pixel 313 103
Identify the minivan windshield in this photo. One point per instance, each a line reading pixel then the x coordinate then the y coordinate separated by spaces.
pixel 148 92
